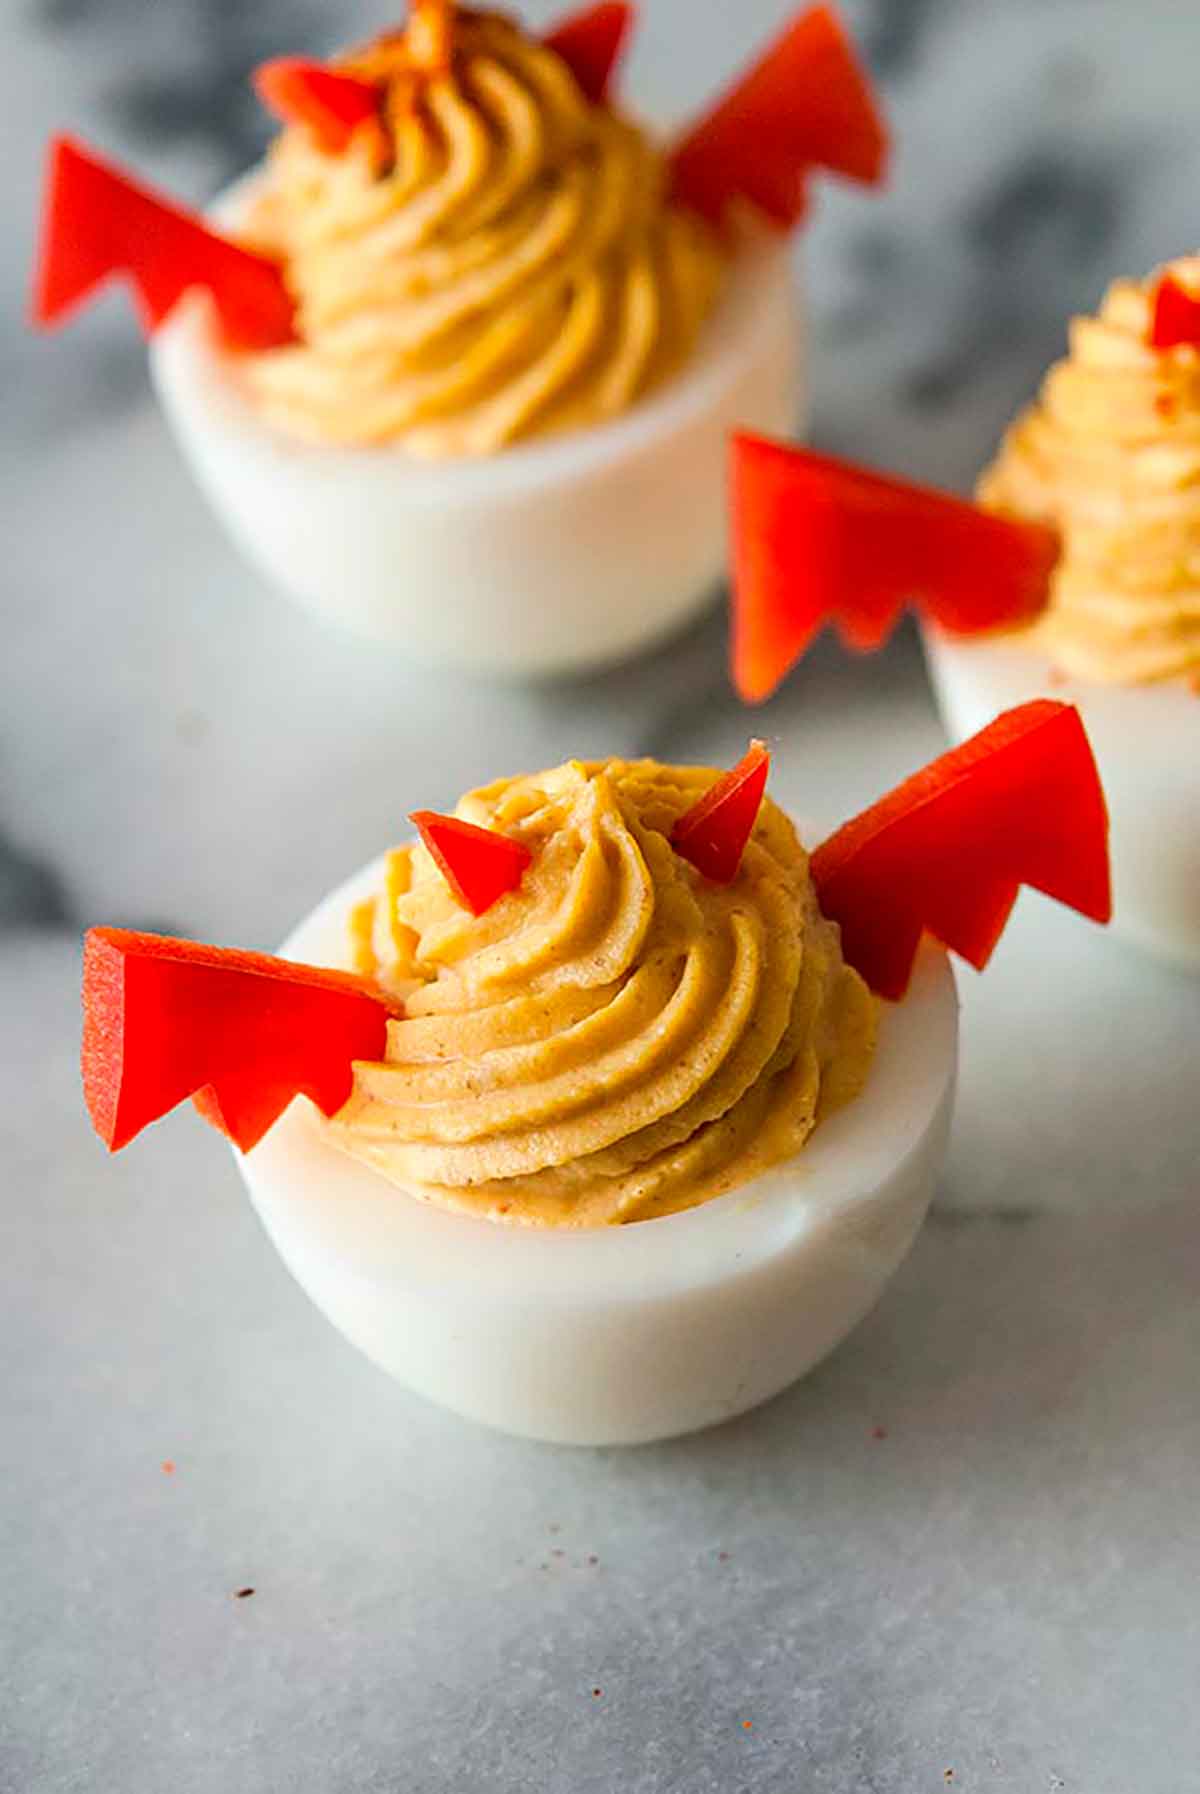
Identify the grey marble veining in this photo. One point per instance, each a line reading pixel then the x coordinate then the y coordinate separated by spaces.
pixel 1002 1587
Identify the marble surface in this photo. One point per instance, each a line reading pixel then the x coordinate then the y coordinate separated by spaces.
pixel 996 1594
pixel 966 1544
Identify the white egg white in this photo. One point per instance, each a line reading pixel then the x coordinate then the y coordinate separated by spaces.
pixel 619 1335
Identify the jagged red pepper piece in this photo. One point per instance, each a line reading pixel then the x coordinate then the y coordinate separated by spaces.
pixel 1175 319
pixel 243 1033
pixel 945 853
pixel 807 103
pixel 712 835
pixel 330 104
pixel 479 864
pixel 817 540
pixel 591 43
pixel 97 222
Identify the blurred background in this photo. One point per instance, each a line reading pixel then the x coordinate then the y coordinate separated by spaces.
pixel 164 721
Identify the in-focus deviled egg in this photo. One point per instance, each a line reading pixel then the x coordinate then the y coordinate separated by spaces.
pixel 607 1138
pixel 643 1148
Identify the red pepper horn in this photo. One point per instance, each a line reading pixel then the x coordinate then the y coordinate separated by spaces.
pixel 307 93
pixel 479 864
pixel 97 223
pixel 1175 317
pixel 591 43
pixel 712 835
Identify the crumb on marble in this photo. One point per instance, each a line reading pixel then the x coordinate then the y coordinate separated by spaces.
pixel 168 1467
pixel 242 1593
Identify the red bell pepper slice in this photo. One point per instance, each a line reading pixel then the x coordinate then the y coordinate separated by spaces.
pixel 712 835
pixel 479 864
pixel 945 853
pixel 591 43
pixel 1175 319
pixel 243 1033
pixel 97 222
pixel 818 540
pixel 807 103
pixel 331 105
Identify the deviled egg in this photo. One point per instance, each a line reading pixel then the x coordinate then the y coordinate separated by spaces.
pixel 601 1133
pixel 457 365
pixel 499 436
pixel 1109 454
pixel 643 1148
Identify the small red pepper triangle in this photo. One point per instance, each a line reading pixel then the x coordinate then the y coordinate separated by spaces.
pixel 807 103
pixel 243 1033
pixel 97 222
pixel 330 104
pixel 945 853
pixel 1175 318
pixel 712 835
pixel 817 540
pixel 591 43
pixel 479 864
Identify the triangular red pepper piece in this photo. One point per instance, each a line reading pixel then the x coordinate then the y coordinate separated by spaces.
pixel 807 103
pixel 945 853
pixel 712 835
pixel 591 43
pixel 817 540
pixel 242 1032
pixel 1175 319
pixel 97 222
pixel 331 105
pixel 479 864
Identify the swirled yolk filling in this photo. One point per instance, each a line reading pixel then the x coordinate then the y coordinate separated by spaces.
pixel 618 1038
pixel 1110 455
pixel 500 261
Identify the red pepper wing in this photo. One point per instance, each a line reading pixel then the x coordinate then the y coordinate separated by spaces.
pixel 807 103
pixel 946 852
pixel 97 222
pixel 243 1032
pixel 818 540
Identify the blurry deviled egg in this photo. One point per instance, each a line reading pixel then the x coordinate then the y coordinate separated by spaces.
pixel 486 412
pixel 1109 456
